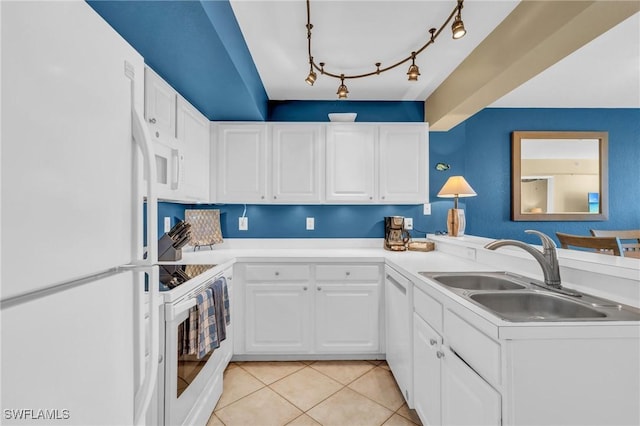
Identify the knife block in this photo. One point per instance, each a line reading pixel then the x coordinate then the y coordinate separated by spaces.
pixel 166 251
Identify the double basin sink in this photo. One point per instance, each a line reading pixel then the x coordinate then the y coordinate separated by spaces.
pixel 516 298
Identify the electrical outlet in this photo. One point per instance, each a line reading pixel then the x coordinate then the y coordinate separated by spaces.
pixel 426 209
pixel 408 223
pixel 167 224
pixel 243 223
pixel 311 224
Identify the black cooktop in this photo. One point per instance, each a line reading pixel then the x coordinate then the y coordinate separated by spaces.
pixel 171 276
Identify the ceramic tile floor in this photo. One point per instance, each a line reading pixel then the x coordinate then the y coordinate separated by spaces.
pixel 328 393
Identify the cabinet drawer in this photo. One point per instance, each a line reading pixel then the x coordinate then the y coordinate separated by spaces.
pixel 475 348
pixel 428 308
pixel 277 273
pixel 348 273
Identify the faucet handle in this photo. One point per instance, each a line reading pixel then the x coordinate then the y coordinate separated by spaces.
pixel 547 242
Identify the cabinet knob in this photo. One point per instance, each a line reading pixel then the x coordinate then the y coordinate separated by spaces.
pixel 440 354
pixel 382 197
pixel 371 198
pixel 160 359
pixel 432 342
pixel 277 273
pixel 157 134
pixel 348 273
pixel 262 197
pixel 319 288
pixel 152 120
pixel 275 198
pixel 304 288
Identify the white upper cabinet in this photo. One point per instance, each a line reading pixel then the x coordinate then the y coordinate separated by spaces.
pixel 181 141
pixel 321 163
pixel 194 141
pixel 241 163
pixel 351 159
pixel 296 163
pixel 159 106
pixel 404 162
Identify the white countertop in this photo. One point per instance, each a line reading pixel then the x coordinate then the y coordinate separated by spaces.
pixel 622 281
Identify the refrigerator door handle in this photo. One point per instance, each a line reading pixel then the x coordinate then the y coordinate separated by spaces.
pixel 143 139
pixel 145 392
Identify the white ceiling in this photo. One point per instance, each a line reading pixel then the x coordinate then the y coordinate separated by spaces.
pixel 351 35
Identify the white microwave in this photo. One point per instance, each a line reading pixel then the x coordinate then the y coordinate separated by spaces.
pixel 170 168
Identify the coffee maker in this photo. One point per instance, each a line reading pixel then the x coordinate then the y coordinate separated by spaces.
pixel 395 236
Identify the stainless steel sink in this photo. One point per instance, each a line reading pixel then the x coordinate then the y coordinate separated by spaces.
pixel 535 306
pixel 476 281
pixel 516 298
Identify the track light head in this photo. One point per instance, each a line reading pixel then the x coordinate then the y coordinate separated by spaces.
pixel 311 78
pixel 342 89
pixel 457 28
pixel 413 71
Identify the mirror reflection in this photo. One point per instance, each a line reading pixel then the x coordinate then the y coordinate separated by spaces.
pixel 559 176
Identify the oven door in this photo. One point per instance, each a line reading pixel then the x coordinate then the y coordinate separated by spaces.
pixel 192 386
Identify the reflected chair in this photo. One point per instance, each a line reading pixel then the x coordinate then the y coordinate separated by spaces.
pixel 603 245
pixel 630 239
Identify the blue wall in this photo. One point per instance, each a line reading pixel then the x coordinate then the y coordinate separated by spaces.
pixel 479 149
pixel 487 156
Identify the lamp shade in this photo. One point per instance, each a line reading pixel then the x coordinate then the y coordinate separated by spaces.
pixel 456 186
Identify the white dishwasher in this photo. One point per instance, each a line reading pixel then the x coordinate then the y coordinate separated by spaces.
pixel 399 346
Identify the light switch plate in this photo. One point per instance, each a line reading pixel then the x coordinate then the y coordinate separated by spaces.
pixel 167 224
pixel 426 209
pixel 311 224
pixel 243 223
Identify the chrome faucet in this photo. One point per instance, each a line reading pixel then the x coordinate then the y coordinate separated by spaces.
pixel 548 259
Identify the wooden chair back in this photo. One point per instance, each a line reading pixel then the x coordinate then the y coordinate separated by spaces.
pixel 630 239
pixel 604 245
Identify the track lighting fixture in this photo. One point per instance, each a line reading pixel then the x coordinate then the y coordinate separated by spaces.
pixel 413 72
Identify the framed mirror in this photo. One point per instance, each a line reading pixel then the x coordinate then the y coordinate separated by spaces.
pixel 558 176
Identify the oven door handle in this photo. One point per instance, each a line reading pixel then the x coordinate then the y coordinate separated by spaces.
pixel 174 311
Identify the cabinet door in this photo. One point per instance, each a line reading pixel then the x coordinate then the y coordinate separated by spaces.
pixel 466 398
pixel 277 318
pixel 241 163
pixel 426 372
pixel 193 144
pixel 398 330
pixel 404 159
pixel 347 318
pixel 296 163
pixel 159 106
pixel 351 160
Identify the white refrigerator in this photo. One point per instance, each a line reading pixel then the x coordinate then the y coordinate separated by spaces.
pixel 79 340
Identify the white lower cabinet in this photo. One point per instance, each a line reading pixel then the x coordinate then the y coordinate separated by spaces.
pixel 426 372
pixel 447 390
pixel 309 308
pixel 278 318
pixel 467 399
pixel 347 318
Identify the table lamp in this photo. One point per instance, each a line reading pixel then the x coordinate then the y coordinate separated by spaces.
pixel 454 187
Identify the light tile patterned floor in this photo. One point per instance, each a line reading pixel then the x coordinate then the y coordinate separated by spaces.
pixel 326 393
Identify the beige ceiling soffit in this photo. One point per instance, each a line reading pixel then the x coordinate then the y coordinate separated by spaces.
pixel 536 35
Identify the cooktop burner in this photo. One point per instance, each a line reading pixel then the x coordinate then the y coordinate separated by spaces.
pixel 171 276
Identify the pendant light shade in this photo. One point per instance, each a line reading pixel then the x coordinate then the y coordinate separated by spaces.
pixel 457 28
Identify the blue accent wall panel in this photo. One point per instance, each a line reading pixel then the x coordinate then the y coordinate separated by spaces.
pixel 368 111
pixel 197 47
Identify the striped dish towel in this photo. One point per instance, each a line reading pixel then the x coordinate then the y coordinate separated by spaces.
pixel 207 323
